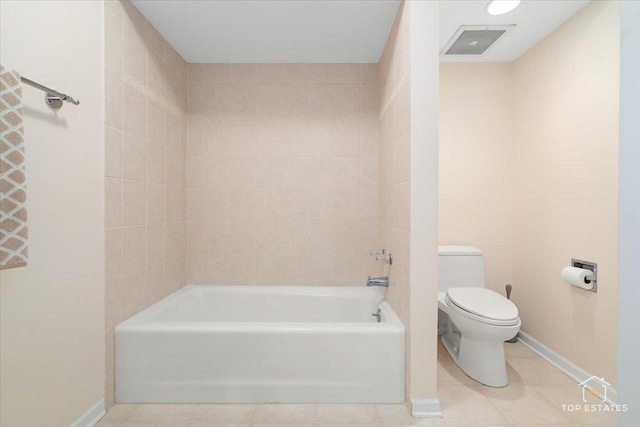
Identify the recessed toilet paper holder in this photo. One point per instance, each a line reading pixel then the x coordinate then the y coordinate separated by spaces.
pixel 588 266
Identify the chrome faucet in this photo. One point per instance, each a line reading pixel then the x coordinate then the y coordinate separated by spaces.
pixel 378 281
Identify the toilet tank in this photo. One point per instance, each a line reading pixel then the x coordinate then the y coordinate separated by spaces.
pixel 460 266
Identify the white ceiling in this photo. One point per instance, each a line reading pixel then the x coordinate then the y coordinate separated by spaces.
pixel 331 30
pixel 534 19
pixel 273 30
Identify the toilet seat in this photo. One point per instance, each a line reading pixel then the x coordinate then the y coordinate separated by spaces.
pixel 483 305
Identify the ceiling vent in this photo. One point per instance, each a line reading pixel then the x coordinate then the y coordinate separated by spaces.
pixel 474 40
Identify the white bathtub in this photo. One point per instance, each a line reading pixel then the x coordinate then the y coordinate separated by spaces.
pixel 258 344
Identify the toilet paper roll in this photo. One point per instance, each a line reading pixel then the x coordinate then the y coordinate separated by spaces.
pixel 577 277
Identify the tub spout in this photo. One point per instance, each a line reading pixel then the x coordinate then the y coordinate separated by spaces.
pixel 378 281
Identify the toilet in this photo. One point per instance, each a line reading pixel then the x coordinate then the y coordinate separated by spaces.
pixel 476 320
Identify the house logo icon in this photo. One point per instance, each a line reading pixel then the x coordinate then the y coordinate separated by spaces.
pixel 594 386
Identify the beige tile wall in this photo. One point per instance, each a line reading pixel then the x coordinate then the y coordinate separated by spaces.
pixel 252 173
pixel 145 164
pixel 395 168
pixel 282 173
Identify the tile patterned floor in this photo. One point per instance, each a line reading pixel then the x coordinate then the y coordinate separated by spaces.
pixel 534 397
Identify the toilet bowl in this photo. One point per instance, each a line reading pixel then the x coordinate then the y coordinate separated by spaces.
pixel 475 340
pixel 478 320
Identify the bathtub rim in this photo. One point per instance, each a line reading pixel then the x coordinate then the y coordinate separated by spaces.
pixel 391 324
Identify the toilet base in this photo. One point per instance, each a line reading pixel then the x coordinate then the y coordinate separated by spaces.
pixel 483 361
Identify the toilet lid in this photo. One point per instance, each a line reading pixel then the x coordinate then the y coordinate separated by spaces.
pixel 484 303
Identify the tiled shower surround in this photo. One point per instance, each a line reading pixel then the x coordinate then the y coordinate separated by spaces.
pixel 231 173
pixel 282 173
pixel 145 162
pixel 395 168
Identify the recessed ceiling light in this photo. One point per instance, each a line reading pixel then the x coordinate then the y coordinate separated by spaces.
pixel 500 7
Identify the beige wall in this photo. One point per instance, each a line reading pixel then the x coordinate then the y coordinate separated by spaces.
pixel 476 163
pixel 145 132
pixel 282 173
pixel 51 312
pixel 529 154
pixel 566 185
pixel 409 189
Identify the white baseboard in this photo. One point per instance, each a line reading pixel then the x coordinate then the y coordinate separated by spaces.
pixel 91 416
pixel 425 408
pixel 572 370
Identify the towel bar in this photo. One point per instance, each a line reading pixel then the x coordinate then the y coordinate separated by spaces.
pixel 52 97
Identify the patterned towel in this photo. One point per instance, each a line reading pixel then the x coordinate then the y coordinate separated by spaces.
pixel 13 186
